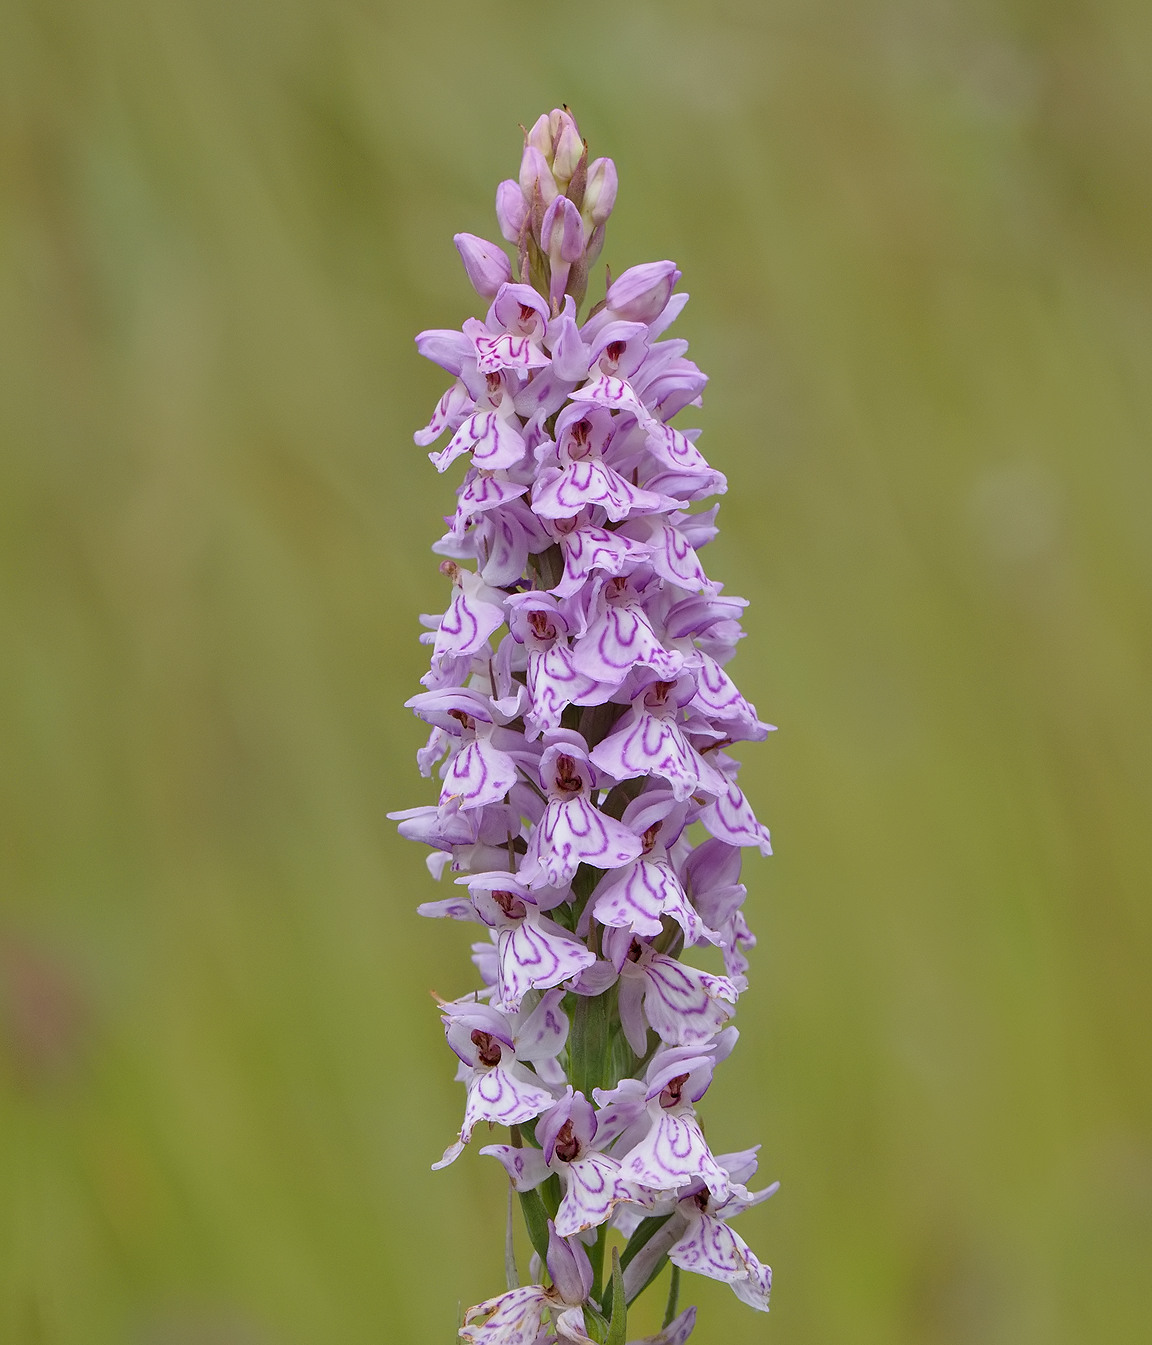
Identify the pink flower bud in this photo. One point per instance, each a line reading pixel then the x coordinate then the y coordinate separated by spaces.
pixel 511 209
pixel 600 193
pixel 562 233
pixel 567 151
pixel 536 176
pixel 557 137
pixel 569 1267
pixel 640 294
pixel 540 136
pixel 487 265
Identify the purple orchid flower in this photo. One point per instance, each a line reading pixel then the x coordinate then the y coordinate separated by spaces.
pixel 476 612
pixel 650 740
pixel 709 1247
pixel 478 772
pixel 675 1333
pixel 711 873
pixel 537 621
pixel 620 637
pixel 592 1180
pixel 573 831
pixel 495 1049
pixel 518 1317
pixel 638 896
pixel 533 952
pixel 684 1006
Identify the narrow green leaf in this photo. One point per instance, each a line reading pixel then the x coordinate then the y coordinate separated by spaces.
pixel 673 1296
pixel 618 1319
pixel 595 1323
pixel 536 1220
pixel 511 1274
pixel 551 1194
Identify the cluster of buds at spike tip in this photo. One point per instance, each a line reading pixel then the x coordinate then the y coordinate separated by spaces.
pixel 554 215
pixel 589 811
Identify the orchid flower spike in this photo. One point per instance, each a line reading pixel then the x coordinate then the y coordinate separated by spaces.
pixel 579 717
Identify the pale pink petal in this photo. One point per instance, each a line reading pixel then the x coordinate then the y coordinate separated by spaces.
pixel 594 1186
pixel 514 1318
pixel 532 958
pixel 526 1167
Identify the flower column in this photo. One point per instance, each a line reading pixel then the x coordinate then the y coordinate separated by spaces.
pixel 580 717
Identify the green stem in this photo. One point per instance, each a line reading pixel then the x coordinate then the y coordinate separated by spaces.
pixel 511 1274
pixel 588 1042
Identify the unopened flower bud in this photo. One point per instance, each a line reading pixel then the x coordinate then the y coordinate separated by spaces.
pixel 557 137
pixel 568 149
pixel 487 265
pixel 562 241
pixel 540 136
pixel 569 1267
pixel 511 209
pixel 562 233
pixel 640 294
pixel 600 193
pixel 536 177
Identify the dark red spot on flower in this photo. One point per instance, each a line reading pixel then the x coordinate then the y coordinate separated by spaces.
pixel 567 779
pixel 670 1095
pixel 579 446
pixel 658 693
pixel 542 625
pixel 567 1145
pixel 488 1049
pixel 510 904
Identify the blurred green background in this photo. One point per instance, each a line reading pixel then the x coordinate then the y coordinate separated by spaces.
pixel 918 238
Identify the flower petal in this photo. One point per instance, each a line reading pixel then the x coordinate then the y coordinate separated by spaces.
pixel 685 1006
pixel 514 1318
pixel 594 1186
pixel 526 1167
pixel 673 1153
pixel 532 958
